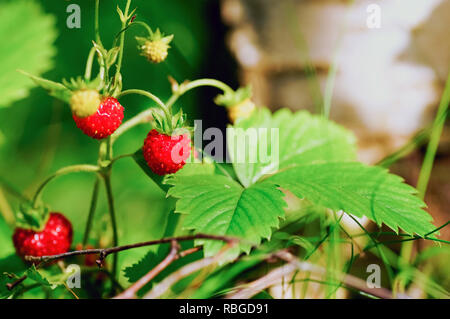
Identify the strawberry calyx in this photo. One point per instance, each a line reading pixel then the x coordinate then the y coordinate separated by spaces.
pixel 176 125
pixel 233 98
pixel 238 103
pixel 85 99
pixel 84 103
pixel 32 217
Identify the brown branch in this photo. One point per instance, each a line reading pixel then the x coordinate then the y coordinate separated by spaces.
pixel 185 271
pixel 293 264
pixel 14 284
pixel 131 292
pixel 103 253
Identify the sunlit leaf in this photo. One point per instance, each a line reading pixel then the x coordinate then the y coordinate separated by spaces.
pixel 30 48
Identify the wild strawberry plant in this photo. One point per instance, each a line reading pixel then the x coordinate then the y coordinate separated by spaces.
pixel 225 217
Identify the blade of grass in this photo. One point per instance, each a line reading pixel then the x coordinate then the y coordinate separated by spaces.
pixel 302 46
pixel 428 161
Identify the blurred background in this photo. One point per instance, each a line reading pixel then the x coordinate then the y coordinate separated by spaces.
pixel 386 84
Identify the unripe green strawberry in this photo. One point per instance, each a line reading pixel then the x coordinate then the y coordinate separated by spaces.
pixel 84 102
pixel 155 51
pixel 155 48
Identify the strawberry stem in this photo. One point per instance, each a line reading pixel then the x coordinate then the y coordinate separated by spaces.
pixel 63 171
pixel 185 87
pixel 92 208
pixel 122 39
pixel 112 213
pixel 97 28
pixel 90 60
pixel 153 97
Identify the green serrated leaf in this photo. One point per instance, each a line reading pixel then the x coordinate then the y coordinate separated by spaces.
pixel 290 139
pixel 54 89
pixel 359 190
pixel 217 205
pixel 31 47
pixel 34 274
pixel 139 269
pixel 45 279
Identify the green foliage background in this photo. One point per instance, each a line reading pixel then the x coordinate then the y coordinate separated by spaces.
pixel 38 135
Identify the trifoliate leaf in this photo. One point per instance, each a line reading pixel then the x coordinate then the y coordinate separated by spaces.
pixel 217 205
pixel 27 35
pixel 359 190
pixel 265 143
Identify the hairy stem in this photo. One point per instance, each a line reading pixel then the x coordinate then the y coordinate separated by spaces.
pixel 92 208
pixel 122 39
pixel 96 22
pixel 154 98
pixel 89 62
pixel 183 88
pixel 143 117
pixel 112 213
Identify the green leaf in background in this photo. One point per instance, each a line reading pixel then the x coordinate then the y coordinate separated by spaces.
pixel 301 138
pixel 137 270
pixel 187 170
pixel 359 190
pixel 30 48
pixel 217 205
pixel 6 242
pixel 4 291
pixel 2 138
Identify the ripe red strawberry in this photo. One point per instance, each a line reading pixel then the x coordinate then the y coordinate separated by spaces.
pixel 55 238
pixel 166 154
pixel 104 122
